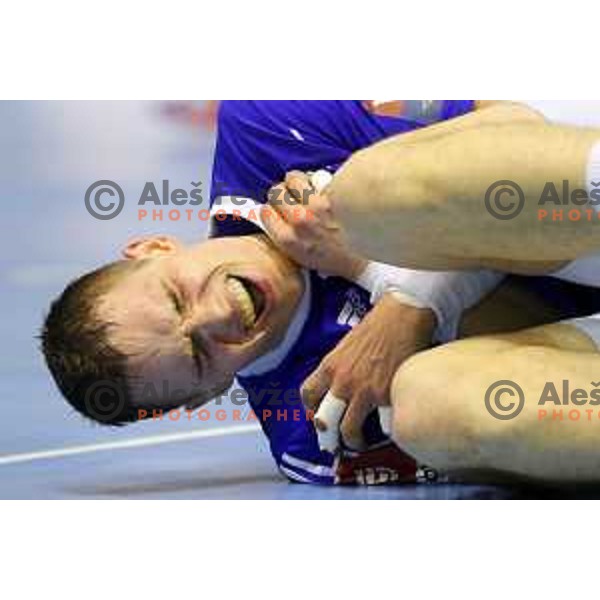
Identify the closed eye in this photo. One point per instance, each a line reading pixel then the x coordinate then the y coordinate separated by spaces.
pixel 198 351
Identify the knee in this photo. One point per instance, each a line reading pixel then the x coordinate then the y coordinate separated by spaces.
pixel 514 112
pixel 431 420
pixel 415 397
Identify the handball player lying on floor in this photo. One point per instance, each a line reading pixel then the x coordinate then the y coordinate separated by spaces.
pixel 198 316
pixel 428 196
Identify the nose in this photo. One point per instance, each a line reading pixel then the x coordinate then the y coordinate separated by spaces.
pixel 213 323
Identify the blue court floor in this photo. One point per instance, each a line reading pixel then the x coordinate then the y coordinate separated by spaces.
pixel 49 154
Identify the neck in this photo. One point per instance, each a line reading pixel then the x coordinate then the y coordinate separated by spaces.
pixel 297 318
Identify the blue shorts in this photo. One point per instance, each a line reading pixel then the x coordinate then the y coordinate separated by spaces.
pixel 570 300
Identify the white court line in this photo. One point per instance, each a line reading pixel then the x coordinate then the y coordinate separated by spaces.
pixel 153 440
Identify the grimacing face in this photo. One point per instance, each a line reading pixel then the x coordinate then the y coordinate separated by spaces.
pixel 192 316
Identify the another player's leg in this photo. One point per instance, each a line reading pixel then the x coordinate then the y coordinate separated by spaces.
pixel 418 200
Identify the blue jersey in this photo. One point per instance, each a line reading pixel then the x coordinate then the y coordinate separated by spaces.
pixel 333 306
pixel 257 143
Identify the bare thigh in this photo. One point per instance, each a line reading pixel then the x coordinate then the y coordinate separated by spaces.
pixel 441 415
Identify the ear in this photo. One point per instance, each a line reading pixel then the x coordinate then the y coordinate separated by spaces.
pixel 145 247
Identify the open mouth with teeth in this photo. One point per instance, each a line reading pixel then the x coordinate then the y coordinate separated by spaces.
pixel 250 300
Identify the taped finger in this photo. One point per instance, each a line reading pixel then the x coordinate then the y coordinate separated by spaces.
pixel 320 179
pixel 327 422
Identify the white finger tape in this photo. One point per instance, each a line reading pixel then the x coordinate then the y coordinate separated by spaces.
pixel 327 422
pixel 385 419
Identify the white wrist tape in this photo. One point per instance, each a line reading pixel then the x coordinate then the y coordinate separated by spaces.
pixel 448 294
pixel 593 177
